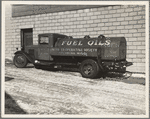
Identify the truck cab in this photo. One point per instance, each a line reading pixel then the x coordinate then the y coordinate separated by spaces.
pixel 42 50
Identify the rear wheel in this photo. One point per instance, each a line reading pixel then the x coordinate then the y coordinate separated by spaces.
pixel 20 61
pixel 89 68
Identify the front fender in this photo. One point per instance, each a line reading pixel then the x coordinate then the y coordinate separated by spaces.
pixel 26 55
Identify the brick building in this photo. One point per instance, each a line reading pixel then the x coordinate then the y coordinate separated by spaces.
pixel 112 21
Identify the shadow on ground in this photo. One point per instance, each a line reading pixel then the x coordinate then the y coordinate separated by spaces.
pixel 105 76
pixel 8 78
pixel 11 107
pixel 135 80
pixel 8 61
pixel 111 76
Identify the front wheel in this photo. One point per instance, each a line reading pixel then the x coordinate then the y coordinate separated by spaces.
pixel 20 61
pixel 89 68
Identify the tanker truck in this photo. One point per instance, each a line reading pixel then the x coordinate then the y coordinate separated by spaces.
pixel 93 56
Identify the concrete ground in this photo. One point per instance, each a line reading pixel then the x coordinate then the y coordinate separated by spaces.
pixel 37 91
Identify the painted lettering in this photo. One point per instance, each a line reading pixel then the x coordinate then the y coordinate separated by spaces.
pixel 90 43
pixel 96 42
pixel 63 42
pixel 62 49
pixel 72 49
pixel 100 43
pixel 107 42
pixel 69 42
pixel 75 43
pixel 80 43
pixel 78 49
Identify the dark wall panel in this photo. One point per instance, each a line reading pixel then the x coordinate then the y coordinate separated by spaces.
pixel 25 10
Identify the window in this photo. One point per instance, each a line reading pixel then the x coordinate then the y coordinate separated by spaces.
pixel 44 40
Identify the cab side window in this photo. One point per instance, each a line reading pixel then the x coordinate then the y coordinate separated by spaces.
pixel 44 40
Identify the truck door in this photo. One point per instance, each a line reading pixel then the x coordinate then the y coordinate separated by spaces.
pixel 44 47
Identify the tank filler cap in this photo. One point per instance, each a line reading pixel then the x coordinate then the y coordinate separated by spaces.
pixel 101 36
pixel 86 36
pixel 70 37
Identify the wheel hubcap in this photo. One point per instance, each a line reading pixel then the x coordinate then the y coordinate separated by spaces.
pixel 20 60
pixel 88 69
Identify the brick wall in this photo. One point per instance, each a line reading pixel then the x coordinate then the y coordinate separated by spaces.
pixel 113 21
pixel 8 32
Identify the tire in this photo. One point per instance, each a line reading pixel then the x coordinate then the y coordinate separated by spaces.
pixel 89 68
pixel 20 61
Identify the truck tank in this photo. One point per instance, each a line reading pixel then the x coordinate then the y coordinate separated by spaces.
pixel 108 48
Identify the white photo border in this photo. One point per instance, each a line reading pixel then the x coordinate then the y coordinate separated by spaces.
pixel 146 3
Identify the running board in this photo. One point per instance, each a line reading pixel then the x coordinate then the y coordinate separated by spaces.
pixel 36 62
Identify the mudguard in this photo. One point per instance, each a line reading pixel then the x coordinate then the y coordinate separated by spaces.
pixel 26 55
